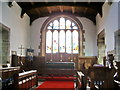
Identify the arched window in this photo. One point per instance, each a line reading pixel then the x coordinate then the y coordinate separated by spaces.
pixel 62 36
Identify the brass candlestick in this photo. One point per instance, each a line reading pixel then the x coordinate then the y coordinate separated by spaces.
pixel 51 58
pixel 61 57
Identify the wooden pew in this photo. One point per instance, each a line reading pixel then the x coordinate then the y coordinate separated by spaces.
pixel 80 82
pixel 117 77
pixel 8 76
pixel 27 80
pixel 101 77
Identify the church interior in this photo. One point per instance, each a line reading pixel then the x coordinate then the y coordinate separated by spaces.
pixel 59 45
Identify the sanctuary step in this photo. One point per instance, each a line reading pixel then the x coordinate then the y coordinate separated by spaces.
pixel 58 78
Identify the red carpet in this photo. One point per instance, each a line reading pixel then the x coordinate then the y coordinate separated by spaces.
pixel 56 85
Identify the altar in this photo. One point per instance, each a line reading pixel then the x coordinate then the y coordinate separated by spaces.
pixel 59 71
pixel 60 65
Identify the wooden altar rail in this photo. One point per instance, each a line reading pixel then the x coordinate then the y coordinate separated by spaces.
pixel 58 75
pixel 61 72
pixel 27 80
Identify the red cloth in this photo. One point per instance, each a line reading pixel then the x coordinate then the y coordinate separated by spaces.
pixel 56 85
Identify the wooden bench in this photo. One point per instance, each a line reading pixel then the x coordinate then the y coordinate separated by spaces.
pixel 27 80
pixel 102 77
pixel 8 77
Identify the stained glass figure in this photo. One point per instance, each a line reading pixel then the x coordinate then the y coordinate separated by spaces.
pixel 49 42
pixel 74 26
pixel 50 26
pixel 55 41
pixel 62 23
pixel 62 41
pixel 75 41
pixel 68 24
pixel 55 24
pixel 68 41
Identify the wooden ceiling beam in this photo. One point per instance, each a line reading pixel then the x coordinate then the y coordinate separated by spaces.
pixel 49 10
pixel 73 10
pixel 61 8
pixel 37 10
pixel 85 10
pixel 29 7
pixel 43 4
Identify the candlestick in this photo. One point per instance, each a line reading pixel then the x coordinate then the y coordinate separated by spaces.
pixel 71 57
pixel 61 57
pixel 51 58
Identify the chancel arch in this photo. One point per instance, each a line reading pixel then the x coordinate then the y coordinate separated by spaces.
pixel 62 38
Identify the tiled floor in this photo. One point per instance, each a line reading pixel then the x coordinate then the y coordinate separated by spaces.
pixel 39 83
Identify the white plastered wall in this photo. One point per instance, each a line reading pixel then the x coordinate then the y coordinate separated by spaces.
pixel 19 27
pixel 109 22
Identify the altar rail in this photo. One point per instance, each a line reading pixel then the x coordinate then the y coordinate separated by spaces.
pixel 59 75
pixel 27 80
pixel 60 65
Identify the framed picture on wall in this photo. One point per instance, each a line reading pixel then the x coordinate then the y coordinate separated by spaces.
pixel 29 53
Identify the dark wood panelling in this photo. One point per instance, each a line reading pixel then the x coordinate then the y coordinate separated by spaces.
pixel 61 57
pixel 86 61
pixel 38 64
pixel 14 61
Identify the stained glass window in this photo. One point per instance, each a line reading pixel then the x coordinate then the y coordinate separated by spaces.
pixel 55 24
pixel 62 41
pixel 68 24
pixel 49 42
pixel 62 36
pixel 55 41
pixel 50 26
pixel 74 26
pixel 68 41
pixel 75 41
pixel 62 23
